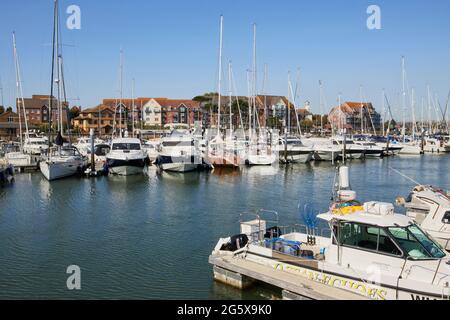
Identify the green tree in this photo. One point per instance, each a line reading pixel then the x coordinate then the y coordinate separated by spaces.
pixel 2 109
pixel 9 109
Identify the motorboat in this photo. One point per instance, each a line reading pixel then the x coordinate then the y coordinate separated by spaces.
pixel 15 156
pixel 323 149
pixel 430 208
pixel 61 162
pixel 84 145
pixel 367 250
pixel 371 149
pixel 292 149
pixel 179 152
pixel 151 149
pixel 349 147
pixel 390 147
pixel 126 157
pixel 433 145
pixel 36 145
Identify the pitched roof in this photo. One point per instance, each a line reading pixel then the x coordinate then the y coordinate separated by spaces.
pixel 165 102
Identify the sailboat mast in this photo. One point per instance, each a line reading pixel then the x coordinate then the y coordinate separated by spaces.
pixel 413 102
pixel 362 107
pixel 429 109
pixel 403 98
pixel 17 92
pixel 219 85
pixel 121 92
pixel 321 106
pixel 50 111
pixel 383 114
pixel 255 114
pixel 229 97
pixel 58 73
pixel 132 106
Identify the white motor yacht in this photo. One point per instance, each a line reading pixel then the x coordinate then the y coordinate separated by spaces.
pixel 370 253
pixel 36 145
pixel 179 152
pixel 126 157
pixel 293 150
pixel 430 208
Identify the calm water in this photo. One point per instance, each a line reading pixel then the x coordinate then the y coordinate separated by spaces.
pixel 148 237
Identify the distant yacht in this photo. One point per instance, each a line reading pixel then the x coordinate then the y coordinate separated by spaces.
pixel 292 149
pixel 126 157
pixel 179 152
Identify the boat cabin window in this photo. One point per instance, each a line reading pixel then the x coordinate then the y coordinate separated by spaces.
pixel 416 243
pixel 366 237
pixel 446 218
pixel 126 146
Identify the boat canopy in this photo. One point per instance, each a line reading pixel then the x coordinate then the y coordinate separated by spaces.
pixel 384 221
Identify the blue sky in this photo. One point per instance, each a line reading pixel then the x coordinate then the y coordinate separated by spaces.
pixel 171 47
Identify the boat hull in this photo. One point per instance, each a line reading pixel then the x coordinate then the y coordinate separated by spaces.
pixel 125 167
pixel 53 170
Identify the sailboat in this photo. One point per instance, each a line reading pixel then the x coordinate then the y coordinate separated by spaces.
pixel 18 158
pixel 262 145
pixel 61 161
pixel 412 147
pixel 219 153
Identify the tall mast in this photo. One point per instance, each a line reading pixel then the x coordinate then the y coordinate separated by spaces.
pixel 413 102
pixel 229 97
pixel 18 103
pixel 254 77
pixel 50 111
pixel 383 114
pixel 58 73
pixel 289 107
pixel 429 109
pixel 265 94
pixel 321 105
pixel 362 106
pixel 132 106
pixel 121 92
pixel 219 86
pixel 403 98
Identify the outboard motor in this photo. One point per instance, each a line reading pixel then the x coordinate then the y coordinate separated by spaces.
pixel 236 242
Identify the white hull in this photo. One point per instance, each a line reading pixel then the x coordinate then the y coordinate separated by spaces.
pixel 18 159
pixel 410 149
pixel 53 170
pixel 297 158
pixel 179 167
pixel 261 160
pixel 325 155
pixel 126 170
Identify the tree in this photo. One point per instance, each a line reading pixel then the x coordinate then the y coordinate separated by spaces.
pixel 9 109
pixel 2 109
pixel 74 112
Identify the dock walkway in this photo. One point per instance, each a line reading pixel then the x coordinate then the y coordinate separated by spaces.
pixel 240 273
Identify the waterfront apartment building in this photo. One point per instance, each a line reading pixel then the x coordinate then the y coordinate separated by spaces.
pixel 9 125
pixel 355 115
pixel 37 109
pixel 158 112
pixel 102 118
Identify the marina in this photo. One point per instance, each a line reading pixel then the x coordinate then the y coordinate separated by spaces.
pixel 114 227
pixel 182 158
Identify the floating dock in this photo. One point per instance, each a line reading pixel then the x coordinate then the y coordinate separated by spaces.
pixel 241 274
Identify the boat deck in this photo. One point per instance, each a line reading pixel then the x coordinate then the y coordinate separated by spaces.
pixel 236 272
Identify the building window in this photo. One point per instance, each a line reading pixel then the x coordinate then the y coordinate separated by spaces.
pixel 10 119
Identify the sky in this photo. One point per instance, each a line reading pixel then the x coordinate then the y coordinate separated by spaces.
pixel 171 49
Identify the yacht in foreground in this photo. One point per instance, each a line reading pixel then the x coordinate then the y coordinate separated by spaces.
pixel 371 252
pixel 293 150
pixel 126 157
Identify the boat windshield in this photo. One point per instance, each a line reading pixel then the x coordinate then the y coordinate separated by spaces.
pixel 126 146
pixel 416 244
